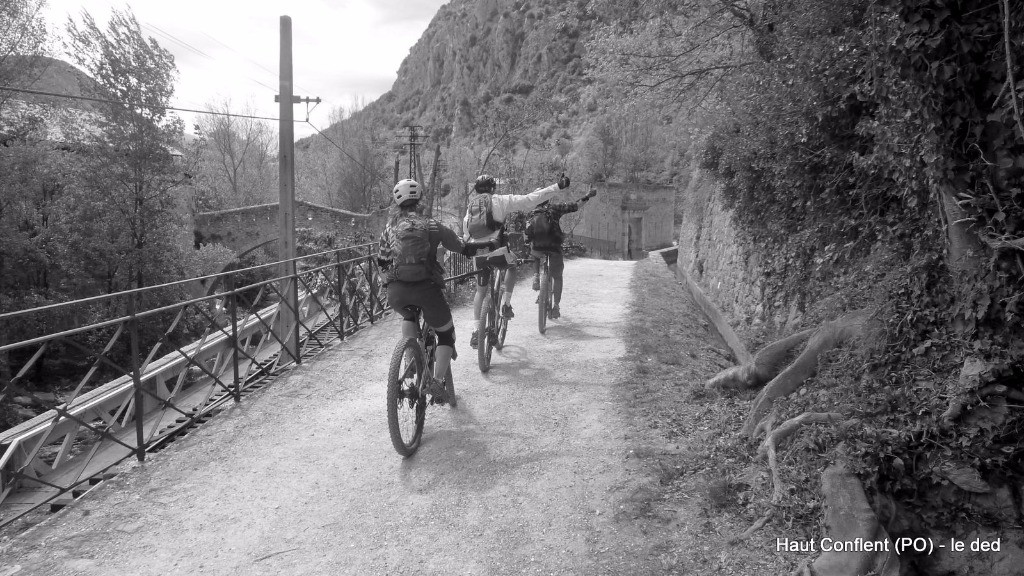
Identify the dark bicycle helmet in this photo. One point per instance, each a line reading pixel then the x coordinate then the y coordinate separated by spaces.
pixel 485 184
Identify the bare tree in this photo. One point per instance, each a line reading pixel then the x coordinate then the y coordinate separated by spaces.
pixel 239 160
pixel 684 50
pixel 347 166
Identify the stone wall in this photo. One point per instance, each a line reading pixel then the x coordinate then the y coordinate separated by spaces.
pixel 712 254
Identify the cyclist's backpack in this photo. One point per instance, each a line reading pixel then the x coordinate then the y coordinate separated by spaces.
pixel 545 230
pixel 412 250
pixel 480 223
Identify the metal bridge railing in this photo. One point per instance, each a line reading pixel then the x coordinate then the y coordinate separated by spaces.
pixel 134 372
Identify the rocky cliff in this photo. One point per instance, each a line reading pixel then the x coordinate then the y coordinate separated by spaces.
pixel 476 51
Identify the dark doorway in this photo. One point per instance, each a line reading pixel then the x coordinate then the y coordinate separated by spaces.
pixel 635 238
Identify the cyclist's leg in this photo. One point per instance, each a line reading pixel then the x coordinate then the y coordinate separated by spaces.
pixel 510 283
pixel 445 349
pixel 438 315
pixel 557 266
pixel 537 256
pixel 483 280
pixel 399 297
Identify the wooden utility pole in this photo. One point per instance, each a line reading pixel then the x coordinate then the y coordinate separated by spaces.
pixel 287 318
pixel 433 179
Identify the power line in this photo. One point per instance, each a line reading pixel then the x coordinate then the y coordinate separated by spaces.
pixel 194 49
pixel 253 62
pixel 131 104
pixel 350 157
pixel 176 40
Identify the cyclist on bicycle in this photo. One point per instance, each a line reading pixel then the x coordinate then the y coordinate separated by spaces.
pixel 544 232
pixel 485 221
pixel 415 279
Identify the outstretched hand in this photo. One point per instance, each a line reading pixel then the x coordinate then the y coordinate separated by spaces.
pixel 591 194
pixel 563 182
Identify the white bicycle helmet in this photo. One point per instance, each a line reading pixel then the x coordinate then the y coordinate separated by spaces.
pixel 406 190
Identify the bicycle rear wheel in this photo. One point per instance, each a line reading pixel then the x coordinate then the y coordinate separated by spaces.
pixel 407 408
pixel 501 327
pixel 484 328
pixel 543 299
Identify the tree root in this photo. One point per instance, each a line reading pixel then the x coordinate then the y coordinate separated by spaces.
pixel 777 488
pixel 828 336
pixel 849 517
pixel 768 362
pixel 769 449
pixel 776 437
pixel 959 402
pixel 750 531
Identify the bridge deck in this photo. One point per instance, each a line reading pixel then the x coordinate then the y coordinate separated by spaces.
pixel 194 403
pixel 302 479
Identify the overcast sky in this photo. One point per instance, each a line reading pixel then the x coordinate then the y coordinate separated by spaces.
pixel 230 49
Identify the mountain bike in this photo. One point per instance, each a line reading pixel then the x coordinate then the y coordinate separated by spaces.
pixel 545 299
pixel 492 325
pixel 407 397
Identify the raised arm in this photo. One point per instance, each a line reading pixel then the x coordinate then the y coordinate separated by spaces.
pixel 514 203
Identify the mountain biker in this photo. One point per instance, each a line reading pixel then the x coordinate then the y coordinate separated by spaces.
pixel 415 279
pixel 484 221
pixel 545 235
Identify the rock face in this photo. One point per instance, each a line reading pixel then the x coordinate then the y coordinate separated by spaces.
pixel 475 51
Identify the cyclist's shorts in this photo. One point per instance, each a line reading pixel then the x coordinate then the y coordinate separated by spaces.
pixel 557 261
pixel 425 295
pixel 500 259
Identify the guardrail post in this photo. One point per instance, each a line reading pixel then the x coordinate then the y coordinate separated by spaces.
pixel 370 266
pixel 293 295
pixel 133 337
pixel 342 312
pixel 229 283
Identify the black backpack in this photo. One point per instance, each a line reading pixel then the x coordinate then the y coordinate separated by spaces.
pixel 544 230
pixel 412 249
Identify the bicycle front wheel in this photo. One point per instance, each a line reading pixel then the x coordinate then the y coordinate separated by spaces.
pixel 542 299
pixel 484 328
pixel 407 407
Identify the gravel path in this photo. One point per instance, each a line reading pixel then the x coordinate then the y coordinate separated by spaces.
pixel 522 478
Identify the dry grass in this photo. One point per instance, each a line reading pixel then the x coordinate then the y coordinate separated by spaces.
pixel 701 485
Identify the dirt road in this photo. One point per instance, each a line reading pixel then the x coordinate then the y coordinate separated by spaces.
pixel 522 478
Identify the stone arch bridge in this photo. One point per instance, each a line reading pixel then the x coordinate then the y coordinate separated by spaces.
pixel 245 229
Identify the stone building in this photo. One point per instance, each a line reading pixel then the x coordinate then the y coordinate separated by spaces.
pixel 624 221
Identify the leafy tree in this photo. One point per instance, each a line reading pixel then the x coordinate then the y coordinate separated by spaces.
pixel 23 42
pixel 133 175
